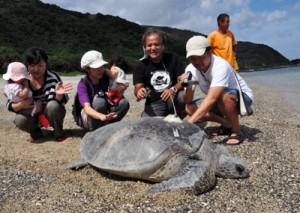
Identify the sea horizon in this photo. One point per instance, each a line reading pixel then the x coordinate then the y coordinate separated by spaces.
pixel 285 81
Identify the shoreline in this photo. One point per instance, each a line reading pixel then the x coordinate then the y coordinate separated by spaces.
pixel 247 70
pixel 31 180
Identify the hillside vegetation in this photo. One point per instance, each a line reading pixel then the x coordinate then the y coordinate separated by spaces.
pixel 67 35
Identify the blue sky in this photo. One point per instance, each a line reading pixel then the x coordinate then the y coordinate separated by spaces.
pixel 275 23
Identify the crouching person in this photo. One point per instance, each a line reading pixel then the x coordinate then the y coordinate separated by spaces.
pixel 216 79
pixel 50 95
pixel 97 109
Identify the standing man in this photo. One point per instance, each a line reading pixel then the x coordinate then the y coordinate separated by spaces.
pixel 216 79
pixel 222 41
pixel 155 78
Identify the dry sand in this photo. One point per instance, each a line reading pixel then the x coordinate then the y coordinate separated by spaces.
pixel 31 180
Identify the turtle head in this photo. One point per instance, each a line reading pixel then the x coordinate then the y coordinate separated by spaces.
pixel 231 167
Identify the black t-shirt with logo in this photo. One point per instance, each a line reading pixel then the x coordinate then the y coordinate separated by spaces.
pixel 158 76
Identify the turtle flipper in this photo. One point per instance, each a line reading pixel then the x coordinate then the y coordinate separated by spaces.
pixel 196 175
pixel 75 164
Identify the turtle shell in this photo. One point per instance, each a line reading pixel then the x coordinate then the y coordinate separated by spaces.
pixel 137 148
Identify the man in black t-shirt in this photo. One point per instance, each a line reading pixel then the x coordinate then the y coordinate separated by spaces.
pixel 155 78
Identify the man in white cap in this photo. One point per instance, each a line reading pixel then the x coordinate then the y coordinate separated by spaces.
pixel 216 80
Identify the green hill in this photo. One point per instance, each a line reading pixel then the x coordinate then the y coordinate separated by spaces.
pixel 66 35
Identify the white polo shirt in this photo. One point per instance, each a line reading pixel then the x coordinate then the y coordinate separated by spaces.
pixel 219 74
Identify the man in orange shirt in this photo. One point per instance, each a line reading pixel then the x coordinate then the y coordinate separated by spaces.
pixel 223 42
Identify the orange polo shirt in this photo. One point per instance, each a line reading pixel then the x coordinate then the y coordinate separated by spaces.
pixel 222 46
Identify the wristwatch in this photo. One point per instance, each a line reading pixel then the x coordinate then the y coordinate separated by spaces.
pixel 173 89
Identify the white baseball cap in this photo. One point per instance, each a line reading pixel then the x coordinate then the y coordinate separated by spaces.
pixel 93 59
pixel 16 71
pixel 196 46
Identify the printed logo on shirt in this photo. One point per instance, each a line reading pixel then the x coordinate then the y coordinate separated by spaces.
pixel 160 80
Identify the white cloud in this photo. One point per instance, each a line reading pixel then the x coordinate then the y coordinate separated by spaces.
pixel 275 15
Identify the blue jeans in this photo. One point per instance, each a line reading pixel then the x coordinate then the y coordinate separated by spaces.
pixel 215 109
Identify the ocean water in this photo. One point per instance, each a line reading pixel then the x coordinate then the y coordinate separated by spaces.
pixel 285 81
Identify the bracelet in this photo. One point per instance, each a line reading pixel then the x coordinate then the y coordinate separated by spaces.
pixel 173 89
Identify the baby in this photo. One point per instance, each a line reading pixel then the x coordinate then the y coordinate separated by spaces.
pixel 17 87
pixel 120 66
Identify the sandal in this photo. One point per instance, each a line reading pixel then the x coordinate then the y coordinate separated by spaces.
pixel 222 131
pixel 238 136
pixel 61 139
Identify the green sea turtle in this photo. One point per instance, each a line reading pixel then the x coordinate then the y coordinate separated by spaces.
pixel 174 153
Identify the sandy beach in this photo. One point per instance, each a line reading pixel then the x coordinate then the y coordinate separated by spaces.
pixel 31 179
